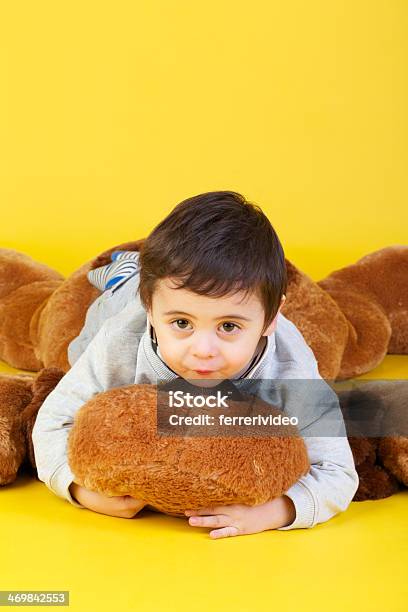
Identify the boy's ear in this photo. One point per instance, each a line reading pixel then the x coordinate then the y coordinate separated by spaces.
pixel 149 316
pixel 272 326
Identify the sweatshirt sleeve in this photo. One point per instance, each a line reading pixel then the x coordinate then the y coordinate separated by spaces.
pixel 332 480
pixel 329 486
pixel 107 362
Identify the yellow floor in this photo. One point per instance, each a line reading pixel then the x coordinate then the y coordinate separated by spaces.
pixel 154 563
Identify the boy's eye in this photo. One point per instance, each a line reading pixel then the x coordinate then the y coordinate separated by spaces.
pixel 178 321
pixel 228 326
pixel 231 324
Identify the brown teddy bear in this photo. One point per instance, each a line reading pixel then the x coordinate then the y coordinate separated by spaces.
pixel 374 411
pixel 351 320
pixel 196 467
pixel 168 473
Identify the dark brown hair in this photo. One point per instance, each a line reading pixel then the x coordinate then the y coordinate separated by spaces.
pixel 216 244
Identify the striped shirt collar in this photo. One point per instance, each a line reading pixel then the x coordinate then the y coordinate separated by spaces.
pixel 112 276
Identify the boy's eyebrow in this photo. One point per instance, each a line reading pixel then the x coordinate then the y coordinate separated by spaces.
pixel 230 316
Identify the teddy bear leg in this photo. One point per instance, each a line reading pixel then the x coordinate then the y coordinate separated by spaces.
pixel 391 396
pixel 369 333
pixel 393 454
pixel 15 395
pixel 386 276
pixel 375 482
pixel 373 295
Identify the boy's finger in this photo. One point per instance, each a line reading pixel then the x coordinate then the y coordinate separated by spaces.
pixel 225 532
pixel 205 511
pixel 217 520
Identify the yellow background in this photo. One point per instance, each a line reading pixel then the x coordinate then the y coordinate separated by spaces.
pixel 113 112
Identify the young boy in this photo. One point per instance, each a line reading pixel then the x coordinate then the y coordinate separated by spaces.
pixel 201 300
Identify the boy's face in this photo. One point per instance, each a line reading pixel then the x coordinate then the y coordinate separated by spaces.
pixel 197 333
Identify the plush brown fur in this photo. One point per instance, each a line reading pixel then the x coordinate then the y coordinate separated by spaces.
pixel 113 448
pixel 25 287
pixel 381 462
pixel 373 296
pixel 319 319
pixel 15 395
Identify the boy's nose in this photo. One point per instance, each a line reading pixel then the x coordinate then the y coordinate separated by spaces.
pixel 204 348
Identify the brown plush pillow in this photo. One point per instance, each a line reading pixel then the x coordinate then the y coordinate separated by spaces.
pixel 114 448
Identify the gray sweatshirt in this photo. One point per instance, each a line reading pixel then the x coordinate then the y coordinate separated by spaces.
pixel 115 349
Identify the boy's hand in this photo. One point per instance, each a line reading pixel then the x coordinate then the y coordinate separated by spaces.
pixel 122 506
pixel 242 520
